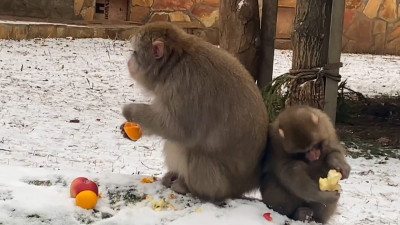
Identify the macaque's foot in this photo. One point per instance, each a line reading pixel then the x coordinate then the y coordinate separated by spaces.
pixel 304 214
pixel 169 178
pixel 179 186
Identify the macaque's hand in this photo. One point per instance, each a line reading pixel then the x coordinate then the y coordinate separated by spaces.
pixel 327 197
pixel 337 161
pixel 133 112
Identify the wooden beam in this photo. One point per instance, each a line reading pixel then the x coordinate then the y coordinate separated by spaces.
pixel 268 33
pixel 334 52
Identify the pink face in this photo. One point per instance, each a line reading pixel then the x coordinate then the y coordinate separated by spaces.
pixel 313 154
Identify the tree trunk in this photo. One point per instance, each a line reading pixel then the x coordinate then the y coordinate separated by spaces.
pixel 240 31
pixel 310 41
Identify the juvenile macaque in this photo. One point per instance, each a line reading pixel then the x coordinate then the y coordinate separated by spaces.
pixel 302 148
pixel 206 106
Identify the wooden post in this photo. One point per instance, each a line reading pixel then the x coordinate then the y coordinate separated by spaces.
pixel 240 31
pixel 334 52
pixel 268 34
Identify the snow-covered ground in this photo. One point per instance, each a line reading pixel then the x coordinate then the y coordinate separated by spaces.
pixel 44 84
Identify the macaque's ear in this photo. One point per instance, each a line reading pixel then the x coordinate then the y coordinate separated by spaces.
pixel 158 49
pixel 314 118
pixel 281 133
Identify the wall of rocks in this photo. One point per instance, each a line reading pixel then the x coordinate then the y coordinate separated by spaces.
pixel 370 26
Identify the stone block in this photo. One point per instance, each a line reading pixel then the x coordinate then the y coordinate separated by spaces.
pixel 284 23
pixel 144 3
pixel 172 5
pixel 5 31
pixel 61 32
pixel 159 17
pixel 349 15
pixel 380 42
pixel 214 3
pixel 393 47
pixel 90 3
pixel 379 27
pixel 78 32
pixel 19 32
pixel 179 17
pixel 388 10
pixel 139 14
pixel 360 31
pixel 394 33
pixel 372 7
pixel 208 15
pixel 88 13
pixel 353 4
pixel 42 31
pixel 287 3
pixel 78 6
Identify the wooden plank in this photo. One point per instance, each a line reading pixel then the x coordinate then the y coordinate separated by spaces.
pixel 334 52
pixel 268 32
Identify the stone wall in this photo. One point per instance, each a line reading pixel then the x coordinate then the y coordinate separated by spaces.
pixel 370 26
pixel 57 9
pixel 203 13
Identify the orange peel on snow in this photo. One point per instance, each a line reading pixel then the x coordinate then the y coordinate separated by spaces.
pixel 133 131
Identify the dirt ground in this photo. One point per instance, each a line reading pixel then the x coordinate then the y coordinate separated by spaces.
pixel 370 123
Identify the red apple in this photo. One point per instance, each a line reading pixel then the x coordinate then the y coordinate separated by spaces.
pixel 82 184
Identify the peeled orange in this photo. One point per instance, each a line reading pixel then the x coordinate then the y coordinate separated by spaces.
pixel 133 131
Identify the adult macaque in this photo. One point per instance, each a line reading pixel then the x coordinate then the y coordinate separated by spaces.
pixel 302 147
pixel 206 106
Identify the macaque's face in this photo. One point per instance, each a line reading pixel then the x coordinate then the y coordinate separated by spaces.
pixel 303 137
pixel 148 52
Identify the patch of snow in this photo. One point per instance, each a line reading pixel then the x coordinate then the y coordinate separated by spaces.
pixel 46 83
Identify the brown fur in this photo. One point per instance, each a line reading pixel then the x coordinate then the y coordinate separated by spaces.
pixel 290 176
pixel 206 106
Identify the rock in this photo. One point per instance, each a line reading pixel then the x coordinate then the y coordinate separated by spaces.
pixel 40 31
pixel 380 41
pixel 78 6
pixel 4 31
pixel 394 33
pixel 388 11
pixel 393 47
pixel 89 3
pixel 139 14
pixel 349 15
pixel 19 32
pixel 214 3
pixel 353 4
pixel 360 31
pixel 144 3
pixel 287 3
pixel 372 7
pixel 159 17
pixel 208 15
pixel 179 17
pixel 88 14
pixel 172 5
pixel 379 27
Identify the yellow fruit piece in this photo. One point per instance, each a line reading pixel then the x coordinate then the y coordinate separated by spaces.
pixel 148 180
pixel 331 183
pixel 86 199
pixel 158 206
